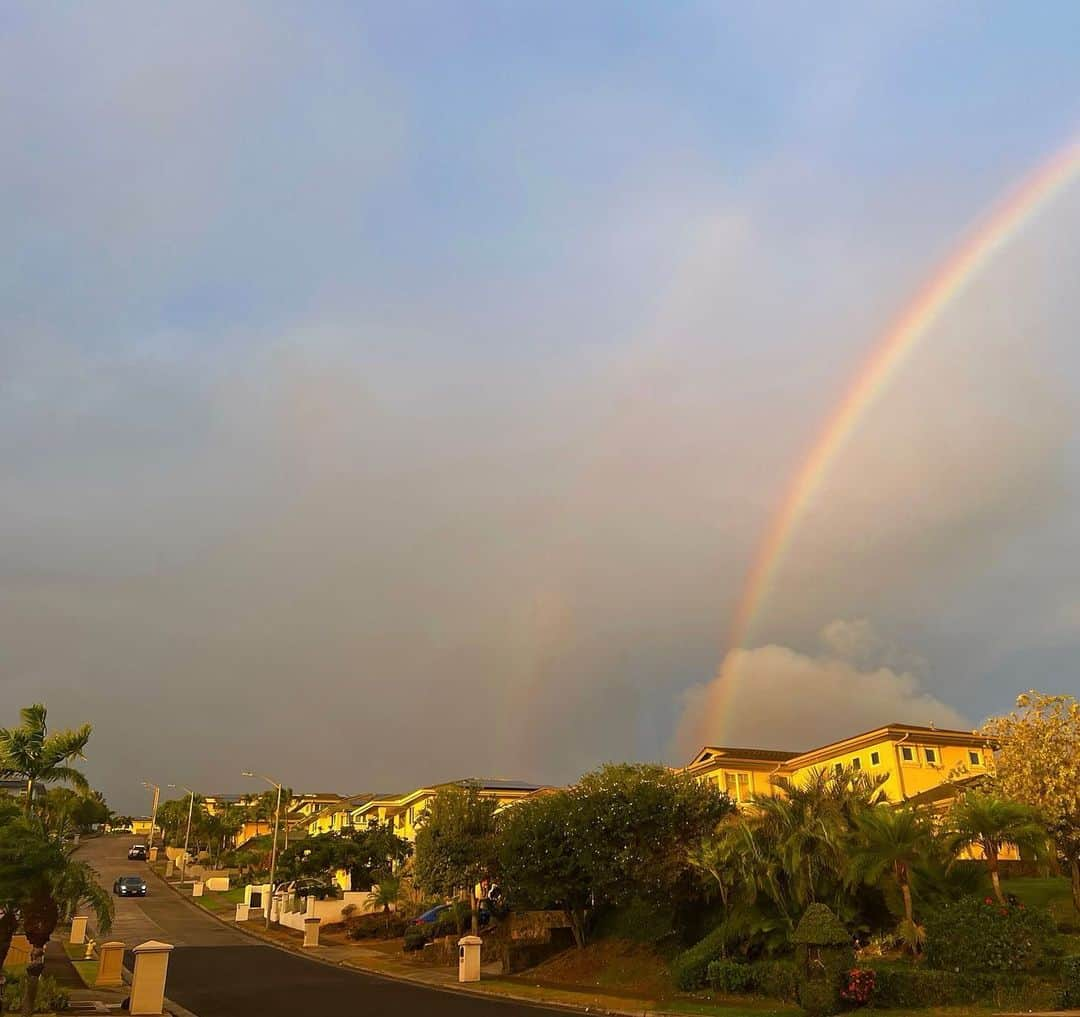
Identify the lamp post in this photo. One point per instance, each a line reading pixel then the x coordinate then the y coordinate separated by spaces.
pixel 273 850
pixel 153 818
pixel 187 834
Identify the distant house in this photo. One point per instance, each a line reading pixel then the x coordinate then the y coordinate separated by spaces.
pixel 404 812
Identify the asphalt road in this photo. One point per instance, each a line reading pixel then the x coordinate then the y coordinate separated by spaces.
pixel 216 971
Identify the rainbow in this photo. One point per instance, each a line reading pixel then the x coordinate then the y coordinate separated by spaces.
pixel 898 343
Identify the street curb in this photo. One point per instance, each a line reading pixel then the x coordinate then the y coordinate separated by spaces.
pixel 452 989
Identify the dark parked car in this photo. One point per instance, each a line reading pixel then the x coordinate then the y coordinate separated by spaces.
pixel 137 853
pixel 130 886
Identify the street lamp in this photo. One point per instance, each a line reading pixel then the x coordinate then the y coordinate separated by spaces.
pixel 153 819
pixel 273 850
pixel 187 834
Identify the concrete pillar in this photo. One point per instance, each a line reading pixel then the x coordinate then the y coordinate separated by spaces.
pixel 148 980
pixel 78 930
pixel 110 964
pixel 311 931
pixel 469 958
pixel 197 888
pixel 153 854
pixel 170 868
pixel 241 912
pixel 275 908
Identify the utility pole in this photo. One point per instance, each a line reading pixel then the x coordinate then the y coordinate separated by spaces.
pixel 273 851
pixel 187 834
pixel 153 815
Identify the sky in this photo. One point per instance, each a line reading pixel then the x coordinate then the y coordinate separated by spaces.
pixel 393 393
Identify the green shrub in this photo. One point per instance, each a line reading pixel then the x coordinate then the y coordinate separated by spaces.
pixel 50 997
pixel 1070 983
pixel 974 934
pixel 775 979
pixel 375 926
pixel 415 939
pixel 731 976
pixel 919 987
pixel 689 969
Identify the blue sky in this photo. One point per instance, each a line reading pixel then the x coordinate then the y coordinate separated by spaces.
pixel 364 360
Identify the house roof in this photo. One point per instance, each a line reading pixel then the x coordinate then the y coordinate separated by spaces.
pixel 709 755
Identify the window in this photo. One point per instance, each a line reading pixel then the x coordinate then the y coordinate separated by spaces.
pixel 839 768
pixel 856 763
pixel 973 758
pixel 737 786
pixel 907 753
pixel 875 759
pixel 931 755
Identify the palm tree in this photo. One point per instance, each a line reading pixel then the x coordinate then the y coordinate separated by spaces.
pixel 31 753
pixel 989 823
pixel 385 893
pixel 40 882
pixel 893 841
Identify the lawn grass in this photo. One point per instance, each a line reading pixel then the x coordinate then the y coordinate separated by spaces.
pixel 86 969
pixel 221 901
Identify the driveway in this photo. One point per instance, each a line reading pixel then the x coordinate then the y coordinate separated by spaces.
pixel 216 971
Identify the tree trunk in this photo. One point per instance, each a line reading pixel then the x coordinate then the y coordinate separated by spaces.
pixel 1074 871
pixel 33 976
pixel 992 865
pixel 576 921
pixel 909 912
pixel 29 796
pixel 8 921
pixel 474 908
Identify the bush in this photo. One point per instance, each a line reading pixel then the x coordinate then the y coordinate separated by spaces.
pixel 731 977
pixel 1070 982
pixel 860 986
pixel 375 926
pixel 415 939
pixel 976 934
pixel 50 997
pixel 690 969
pixel 772 978
pixel 918 987
pixel 775 979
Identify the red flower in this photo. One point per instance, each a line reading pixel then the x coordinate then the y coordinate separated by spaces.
pixel 989 900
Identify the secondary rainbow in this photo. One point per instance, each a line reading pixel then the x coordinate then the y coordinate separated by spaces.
pixel 949 281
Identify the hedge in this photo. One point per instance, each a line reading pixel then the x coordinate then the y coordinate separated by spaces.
pixel 919 987
pixel 689 969
pixel 772 978
pixel 1070 983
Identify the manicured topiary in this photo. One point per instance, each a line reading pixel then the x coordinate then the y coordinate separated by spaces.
pixel 823 958
pixel 689 969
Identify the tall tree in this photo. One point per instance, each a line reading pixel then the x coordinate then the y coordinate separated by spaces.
pixel 1038 762
pixel 29 752
pixel 455 846
pixel 894 842
pixel 989 823
pixel 41 882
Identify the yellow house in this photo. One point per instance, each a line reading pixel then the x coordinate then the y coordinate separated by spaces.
pixel 912 759
pixel 141 826
pixel 404 812
pixel 333 817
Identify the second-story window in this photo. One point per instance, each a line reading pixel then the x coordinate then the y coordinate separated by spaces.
pixel 875 759
pixel 974 759
pixel 907 753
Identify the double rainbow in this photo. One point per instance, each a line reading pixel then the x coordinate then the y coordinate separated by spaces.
pixel 890 353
